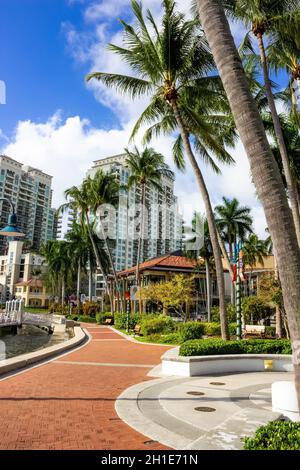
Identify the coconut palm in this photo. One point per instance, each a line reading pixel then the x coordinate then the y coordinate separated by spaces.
pixel 271 19
pixel 103 190
pixel 234 222
pixel 284 54
pixel 56 254
pixel 147 168
pixel 173 67
pixel 265 172
pixel 254 251
pixel 78 199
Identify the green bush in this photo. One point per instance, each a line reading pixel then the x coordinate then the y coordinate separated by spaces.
pixel 276 435
pixel 212 329
pixel 212 347
pixel 191 330
pixel 171 338
pixel 121 320
pixel 270 331
pixel 161 324
pixel 255 309
pixel 86 319
pixel 90 309
pixel 102 316
pixel 231 314
pixel 232 329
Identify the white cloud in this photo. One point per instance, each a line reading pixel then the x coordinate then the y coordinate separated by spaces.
pixel 66 148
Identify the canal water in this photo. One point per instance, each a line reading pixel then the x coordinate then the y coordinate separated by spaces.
pixel 28 339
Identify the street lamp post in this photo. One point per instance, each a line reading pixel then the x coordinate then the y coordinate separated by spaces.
pixel 11 229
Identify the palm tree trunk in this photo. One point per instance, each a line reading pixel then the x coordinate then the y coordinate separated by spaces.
pixel 63 285
pixel 208 290
pixel 210 220
pixel 140 243
pixel 264 169
pixel 291 186
pixel 110 259
pixel 90 281
pixel 224 253
pixel 277 309
pixel 97 255
pixel 78 280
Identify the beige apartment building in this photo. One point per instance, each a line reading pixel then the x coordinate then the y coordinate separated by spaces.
pixel 20 276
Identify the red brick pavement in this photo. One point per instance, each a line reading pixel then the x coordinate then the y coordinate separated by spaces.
pixel 61 405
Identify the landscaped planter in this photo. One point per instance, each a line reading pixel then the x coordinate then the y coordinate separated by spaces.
pixel 190 366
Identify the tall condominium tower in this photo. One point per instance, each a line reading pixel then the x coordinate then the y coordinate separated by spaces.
pixel 162 224
pixel 30 191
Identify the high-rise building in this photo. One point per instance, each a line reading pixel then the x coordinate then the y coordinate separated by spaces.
pixel 30 191
pixel 162 222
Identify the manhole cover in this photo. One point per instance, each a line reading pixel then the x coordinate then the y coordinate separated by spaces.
pixel 217 383
pixel 206 409
pixel 196 394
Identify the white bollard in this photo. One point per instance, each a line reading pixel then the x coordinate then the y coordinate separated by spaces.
pixel 284 399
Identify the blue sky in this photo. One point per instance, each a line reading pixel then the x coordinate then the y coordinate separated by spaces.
pixel 53 120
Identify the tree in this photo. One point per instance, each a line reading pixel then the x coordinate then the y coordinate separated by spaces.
pixel 101 190
pixel 174 68
pixel 255 309
pixel 176 294
pixel 271 18
pixel 202 253
pixel 146 169
pixel 234 222
pixel 254 251
pixel 56 254
pixel 265 172
pixel 78 200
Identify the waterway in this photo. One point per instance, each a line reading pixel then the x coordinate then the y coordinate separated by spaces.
pixel 28 339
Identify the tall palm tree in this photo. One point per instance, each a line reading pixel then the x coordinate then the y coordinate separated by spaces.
pixel 103 189
pixel 284 54
pixel 146 169
pixel 172 66
pixel 270 18
pixel 254 251
pixel 204 252
pixel 265 172
pixel 234 222
pixel 78 199
pixel 56 254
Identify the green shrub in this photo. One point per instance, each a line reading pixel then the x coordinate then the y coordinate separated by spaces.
pixel 212 347
pixel 171 338
pixel 191 330
pixel 232 329
pixel 231 314
pixel 276 435
pixel 212 329
pixel 160 324
pixel 270 331
pixel 90 309
pixel 121 320
pixel 86 319
pixel 102 316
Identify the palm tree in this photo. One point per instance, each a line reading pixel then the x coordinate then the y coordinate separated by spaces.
pixel 147 169
pixel 79 201
pixel 56 254
pixel 284 54
pixel 270 18
pixel 254 251
pixel 234 222
pixel 103 189
pixel 265 172
pixel 174 68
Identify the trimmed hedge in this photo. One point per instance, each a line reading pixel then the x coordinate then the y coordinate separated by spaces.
pixel 86 319
pixel 191 330
pixel 171 338
pixel 121 320
pixel 276 435
pixel 213 347
pixel 161 324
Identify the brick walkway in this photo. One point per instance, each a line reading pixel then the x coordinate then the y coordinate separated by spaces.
pixel 69 403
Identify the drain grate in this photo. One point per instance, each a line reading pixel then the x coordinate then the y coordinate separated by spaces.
pixel 206 409
pixel 217 383
pixel 114 419
pixel 196 394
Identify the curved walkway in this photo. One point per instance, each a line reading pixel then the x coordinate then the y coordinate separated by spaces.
pixel 69 402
